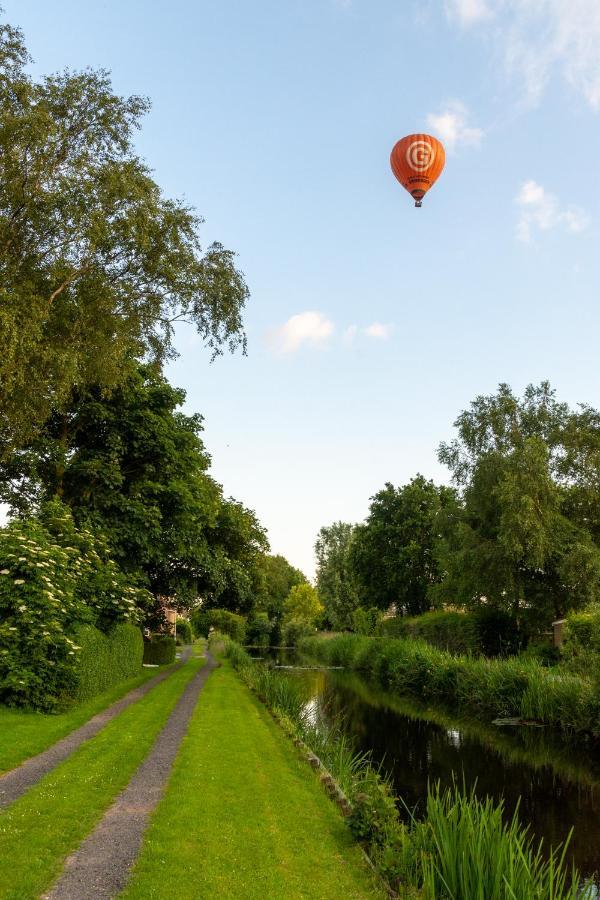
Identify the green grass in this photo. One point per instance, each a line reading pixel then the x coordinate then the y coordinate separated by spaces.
pixel 24 733
pixel 244 816
pixel 40 829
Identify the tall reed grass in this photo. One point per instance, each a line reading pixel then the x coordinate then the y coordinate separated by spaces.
pixel 513 687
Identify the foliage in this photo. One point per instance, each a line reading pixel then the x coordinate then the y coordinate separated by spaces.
pixel 96 264
pixel 336 580
pixel 366 621
pixel 259 628
pixel 134 467
pixel 514 687
pixel 491 632
pixel 467 850
pixel 106 659
pixel 581 646
pixel 295 630
pixel 220 620
pixel 185 634
pixel 275 579
pixel 54 577
pixel 521 539
pixel 160 650
pixel 393 553
pixel 303 604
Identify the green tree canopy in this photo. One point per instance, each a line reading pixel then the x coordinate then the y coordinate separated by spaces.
pixel 336 581
pixel 132 466
pixel 522 541
pixel 96 264
pixel 276 578
pixel 393 552
pixel 303 604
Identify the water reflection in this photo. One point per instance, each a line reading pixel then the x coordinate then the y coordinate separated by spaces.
pixel 557 780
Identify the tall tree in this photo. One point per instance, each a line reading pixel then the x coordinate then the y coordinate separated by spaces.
pixel 95 263
pixel 393 552
pixel 527 469
pixel 336 581
pixel 134 467
pixel 277 577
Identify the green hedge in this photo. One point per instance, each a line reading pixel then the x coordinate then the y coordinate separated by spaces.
pixel 581 646
pixel 487 631
pixel 220 620
pixel 159 650
pixel 106 659
pixel 185 634
pixel 512 687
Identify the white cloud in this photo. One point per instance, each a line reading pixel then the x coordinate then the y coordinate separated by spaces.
pixel 539 37
pixel 451 126
pixel 540 210
pixel 378 331
pixel 468 11
pixel 311 328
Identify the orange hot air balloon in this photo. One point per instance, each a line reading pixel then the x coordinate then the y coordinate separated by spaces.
pixel 417 161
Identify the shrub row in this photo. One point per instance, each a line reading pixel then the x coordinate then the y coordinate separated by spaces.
pixel 159 650
pixel 185 634
pixel 462 848
pixel 220 620
pixel 106 659
pixel 487 631
pixel 512 687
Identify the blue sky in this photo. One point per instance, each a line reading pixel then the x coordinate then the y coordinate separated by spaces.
pixel 371 324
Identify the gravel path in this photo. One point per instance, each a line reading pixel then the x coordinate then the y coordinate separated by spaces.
pixel 100 867
pixel 19 780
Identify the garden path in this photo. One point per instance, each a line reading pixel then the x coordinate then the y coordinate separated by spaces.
pixel 14 783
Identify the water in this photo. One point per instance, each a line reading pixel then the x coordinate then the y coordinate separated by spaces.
pixel 556 779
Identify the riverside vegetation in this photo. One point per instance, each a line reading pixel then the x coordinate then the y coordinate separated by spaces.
pixel 461 848
pixel 515 687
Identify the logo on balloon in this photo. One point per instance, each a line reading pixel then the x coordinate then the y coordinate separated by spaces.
pixel 420 155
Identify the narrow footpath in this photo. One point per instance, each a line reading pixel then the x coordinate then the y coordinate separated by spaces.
pixel 100 867
pixel 15 782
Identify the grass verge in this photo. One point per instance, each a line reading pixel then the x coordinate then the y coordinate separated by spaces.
pixel 244 816
pixel 25 733
pixel 39 830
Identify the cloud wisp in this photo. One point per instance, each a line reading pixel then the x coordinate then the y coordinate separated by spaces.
pixel 452 126
pixel 539 38
pixel 540 210
pixel 379 331
pixel 309 328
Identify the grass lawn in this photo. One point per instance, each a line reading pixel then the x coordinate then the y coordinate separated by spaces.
pixel 40 829
pixel 244 816
pixel 24 733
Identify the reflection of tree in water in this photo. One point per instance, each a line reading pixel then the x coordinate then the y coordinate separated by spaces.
pixel 558 782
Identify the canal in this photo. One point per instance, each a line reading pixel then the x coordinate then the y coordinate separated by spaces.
pixel 554 781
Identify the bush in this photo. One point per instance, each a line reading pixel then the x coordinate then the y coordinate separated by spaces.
pixel 220 620
pixel 159 650
pixel 490 632
pixel 295 630
pixel 185 634
pixel 106 659
pixel 259 629
pixel 53 579
pixel 366 621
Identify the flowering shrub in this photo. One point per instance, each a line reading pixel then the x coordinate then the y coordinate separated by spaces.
pixel 53 578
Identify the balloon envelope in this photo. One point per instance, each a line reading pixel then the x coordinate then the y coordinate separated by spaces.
pixel 417 161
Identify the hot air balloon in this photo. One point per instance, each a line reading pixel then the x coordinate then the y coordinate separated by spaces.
pixel 417 161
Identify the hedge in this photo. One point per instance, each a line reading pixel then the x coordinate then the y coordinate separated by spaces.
pixel 159 650
pixel 185 634
pixel 220 620
pixel 513 688
pixel 581 646
pixel 487 631
pixel 106 659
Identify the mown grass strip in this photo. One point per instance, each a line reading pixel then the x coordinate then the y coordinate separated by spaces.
pixel 244 816
pixel 38 831
pixel 24 733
